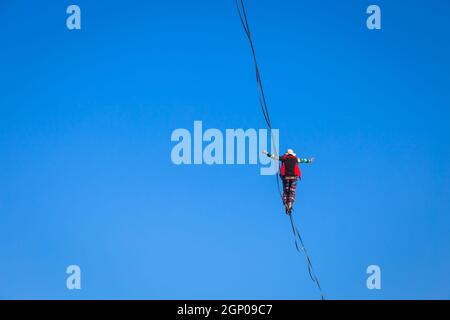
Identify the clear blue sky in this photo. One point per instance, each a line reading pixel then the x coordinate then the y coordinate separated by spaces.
pixel 86 176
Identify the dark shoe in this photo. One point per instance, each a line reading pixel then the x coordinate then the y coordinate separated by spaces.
pixel 288 208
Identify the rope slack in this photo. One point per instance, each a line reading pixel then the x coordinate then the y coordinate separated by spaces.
pixel 299 245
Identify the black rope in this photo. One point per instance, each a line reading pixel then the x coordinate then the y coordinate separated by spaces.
pixel 265 110
pixel 303 250
pixel 262 98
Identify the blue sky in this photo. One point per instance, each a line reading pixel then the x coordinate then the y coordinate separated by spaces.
pixel 86 176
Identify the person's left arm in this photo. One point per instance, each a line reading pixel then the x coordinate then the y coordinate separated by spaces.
pixel 273 156
pixel 304 160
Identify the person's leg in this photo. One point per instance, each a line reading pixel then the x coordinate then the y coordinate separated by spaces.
pixel 288 201
pixel 292 191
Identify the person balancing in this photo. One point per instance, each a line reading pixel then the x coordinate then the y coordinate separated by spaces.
pixel 290 174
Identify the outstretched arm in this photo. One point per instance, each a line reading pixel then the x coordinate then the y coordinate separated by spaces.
pixel 304 160
pixel 272 156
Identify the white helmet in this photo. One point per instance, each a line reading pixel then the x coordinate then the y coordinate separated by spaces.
pixel 291 152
